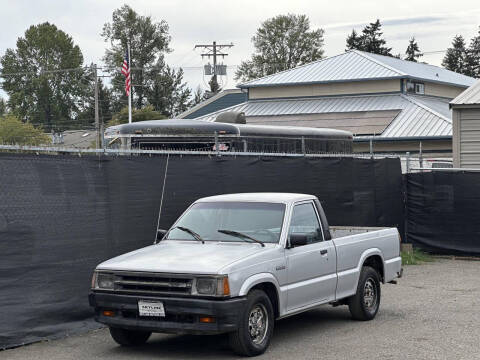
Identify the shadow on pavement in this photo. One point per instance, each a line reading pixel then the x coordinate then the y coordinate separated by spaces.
pixel 287 331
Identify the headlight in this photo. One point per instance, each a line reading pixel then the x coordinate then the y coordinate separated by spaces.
pixel 104 281
pixel 206 286
pixel 212 286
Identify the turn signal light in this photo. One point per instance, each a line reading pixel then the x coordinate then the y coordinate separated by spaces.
pixel 226 286
pixel 207 319
pixel 108 313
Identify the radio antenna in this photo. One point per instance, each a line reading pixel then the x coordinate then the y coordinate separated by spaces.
pixel 161 198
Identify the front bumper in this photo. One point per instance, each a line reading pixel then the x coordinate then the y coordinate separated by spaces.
pixel 181 314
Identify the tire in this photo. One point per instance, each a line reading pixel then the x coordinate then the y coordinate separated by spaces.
pixel 365 303
pixel 126 337
pixel 244 341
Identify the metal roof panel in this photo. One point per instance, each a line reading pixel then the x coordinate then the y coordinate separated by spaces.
pixel 423 117
pixel 357 65
pixel 471 96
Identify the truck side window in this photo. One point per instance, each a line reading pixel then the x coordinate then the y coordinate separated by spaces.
pixel 305 223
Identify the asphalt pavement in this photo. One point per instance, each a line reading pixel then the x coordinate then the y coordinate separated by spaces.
pixel 433 313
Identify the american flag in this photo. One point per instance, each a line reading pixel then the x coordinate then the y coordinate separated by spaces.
pixel 126 72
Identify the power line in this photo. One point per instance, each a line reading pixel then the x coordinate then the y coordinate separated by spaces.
pixel 45 71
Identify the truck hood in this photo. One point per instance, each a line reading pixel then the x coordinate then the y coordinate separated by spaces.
pixel 183 257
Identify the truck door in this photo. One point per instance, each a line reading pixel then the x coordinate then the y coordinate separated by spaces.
pixel 311 261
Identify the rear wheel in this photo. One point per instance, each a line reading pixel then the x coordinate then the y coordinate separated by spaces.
pixel 255 326
pixel 365 303
pixel 126 337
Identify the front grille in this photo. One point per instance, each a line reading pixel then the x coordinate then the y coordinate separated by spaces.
pixel 146 283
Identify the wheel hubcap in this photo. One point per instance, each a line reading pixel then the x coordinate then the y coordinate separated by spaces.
pixel 258 323
pixel 369 294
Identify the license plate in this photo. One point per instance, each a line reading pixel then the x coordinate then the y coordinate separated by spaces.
pixel 151 308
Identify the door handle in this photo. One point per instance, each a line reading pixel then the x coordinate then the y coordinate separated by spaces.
pixel 323 252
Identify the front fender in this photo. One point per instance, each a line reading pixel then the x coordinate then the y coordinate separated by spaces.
pixel 256 279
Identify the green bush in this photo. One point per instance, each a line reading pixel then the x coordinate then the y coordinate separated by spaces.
pixel 147 113
pixel 14 132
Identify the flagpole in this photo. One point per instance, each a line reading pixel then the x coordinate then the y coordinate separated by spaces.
pixel 131 88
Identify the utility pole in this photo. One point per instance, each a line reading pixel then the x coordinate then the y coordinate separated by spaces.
pixel 214 50
pixel 98 137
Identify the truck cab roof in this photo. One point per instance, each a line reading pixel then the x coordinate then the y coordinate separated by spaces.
pixel 260 197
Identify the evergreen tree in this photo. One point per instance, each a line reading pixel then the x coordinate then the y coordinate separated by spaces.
pixel 370 40
pixel 3 107
pixel 472 57
pixel 87 117
pixel 454 59
pixel 354 41
pixel 373 41
pixel 413 51
pixel 198 96
pixel 281 43
pixel 214 86
pixel 167 92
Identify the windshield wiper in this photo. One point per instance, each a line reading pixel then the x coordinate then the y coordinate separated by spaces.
pixel 191 232
pixel 240 235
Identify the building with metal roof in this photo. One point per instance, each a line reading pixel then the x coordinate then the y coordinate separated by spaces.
pixel 222 100
pixel 466 128
pixel 388 103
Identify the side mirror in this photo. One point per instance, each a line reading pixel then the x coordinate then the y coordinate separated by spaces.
pixel 298 240
pixel 160 234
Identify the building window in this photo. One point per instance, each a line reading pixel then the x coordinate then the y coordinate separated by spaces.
pixel 415 88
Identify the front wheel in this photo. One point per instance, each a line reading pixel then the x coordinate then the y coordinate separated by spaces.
pixel 365 303
pixel 126 337
pixel 255 326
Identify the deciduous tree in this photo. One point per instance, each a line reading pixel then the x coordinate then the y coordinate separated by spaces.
pixel 281 43
pixel 40 90
pixel 149 42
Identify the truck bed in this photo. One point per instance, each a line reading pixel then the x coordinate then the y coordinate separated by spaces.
pixel 341 231
pixel 353 243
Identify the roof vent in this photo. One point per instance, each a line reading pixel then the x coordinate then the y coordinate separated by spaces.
pixel 231 117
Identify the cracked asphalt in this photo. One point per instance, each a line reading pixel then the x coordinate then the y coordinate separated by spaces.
pixel 433 313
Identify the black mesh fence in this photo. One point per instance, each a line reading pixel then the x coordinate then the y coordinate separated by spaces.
pixel 443 212
pixel 61 215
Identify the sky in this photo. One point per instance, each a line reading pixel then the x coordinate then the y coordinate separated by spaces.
pixel 433 23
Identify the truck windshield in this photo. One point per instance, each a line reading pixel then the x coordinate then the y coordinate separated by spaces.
pixel 261 221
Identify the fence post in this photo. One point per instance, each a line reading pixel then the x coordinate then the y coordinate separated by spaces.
pixel 303 145
pixel 245 148
pixel 216 144
pixel 420 157
pixel 371 148
pixel 408 162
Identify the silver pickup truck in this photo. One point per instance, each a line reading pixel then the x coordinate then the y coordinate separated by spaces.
pixel 236 263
